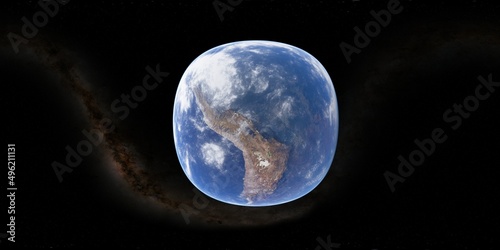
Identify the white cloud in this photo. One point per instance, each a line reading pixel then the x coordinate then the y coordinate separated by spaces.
pixel 316 174
pixel 200 126
pixel 276 93
pixel 213 155
pixel 315 166
pixel 332 112
pixel 217 76
pixel 259 79
pixel 284 111
pixel 184 95
pixel 188 167
pixel 253 43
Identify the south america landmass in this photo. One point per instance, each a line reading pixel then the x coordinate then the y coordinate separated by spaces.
pixel 265 159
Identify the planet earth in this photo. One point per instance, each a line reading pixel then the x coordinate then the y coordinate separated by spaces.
pixel 255 123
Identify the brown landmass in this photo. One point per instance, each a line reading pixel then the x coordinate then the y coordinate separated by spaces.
pixel 265 159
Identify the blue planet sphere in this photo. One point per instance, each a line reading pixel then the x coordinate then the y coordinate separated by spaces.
pixel 255 123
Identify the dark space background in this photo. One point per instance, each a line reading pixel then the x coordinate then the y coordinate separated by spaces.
pixel 395 91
